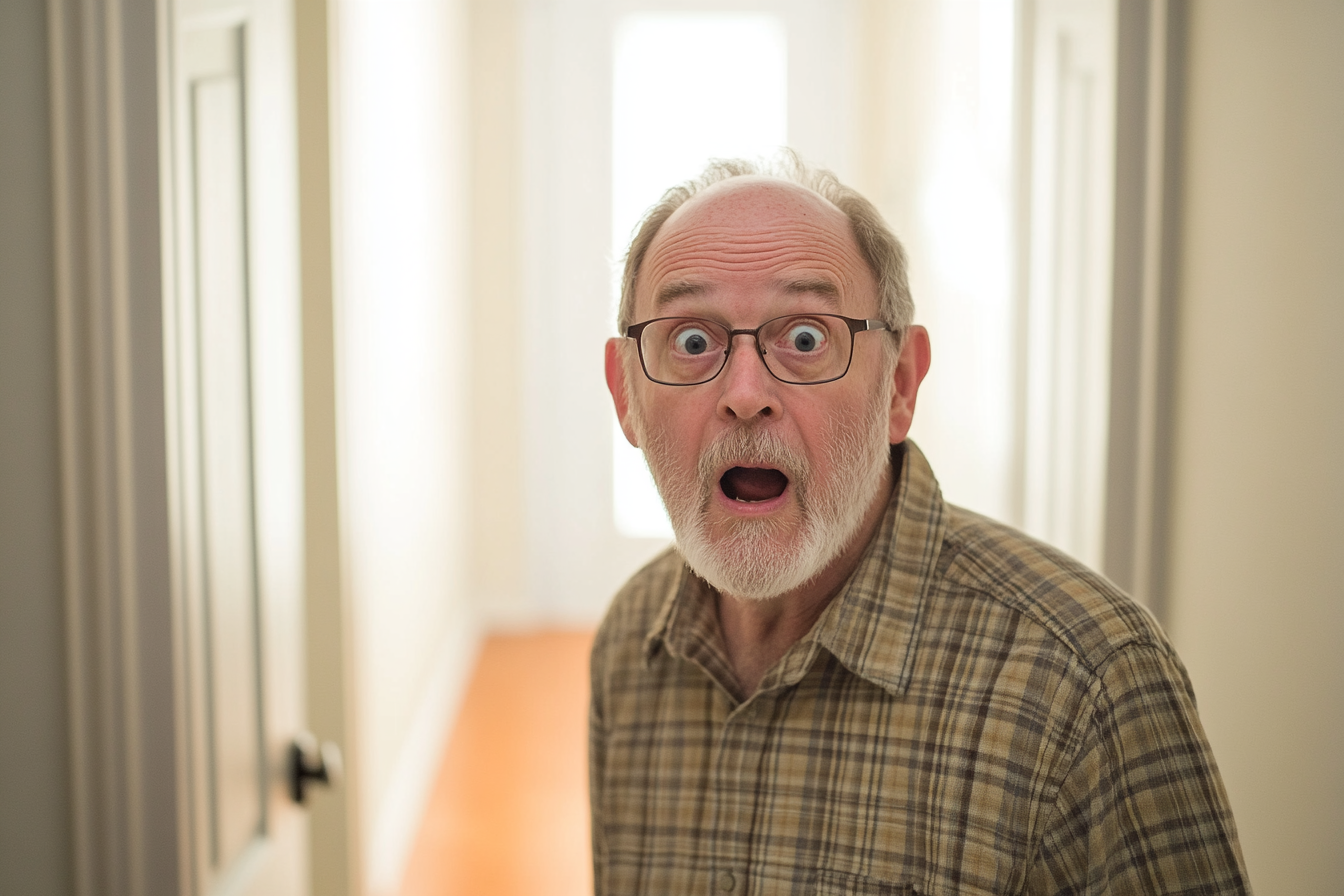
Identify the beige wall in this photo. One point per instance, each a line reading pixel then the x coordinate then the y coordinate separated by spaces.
pixel 496 421
pixel 1257 554
pixel 403 366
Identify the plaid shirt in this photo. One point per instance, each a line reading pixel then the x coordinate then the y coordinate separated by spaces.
pixel 973 713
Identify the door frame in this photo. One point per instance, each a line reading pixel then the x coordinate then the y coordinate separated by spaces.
pixel 1128 456
pixel 1150 80
pixel 128 713
pixel 121 651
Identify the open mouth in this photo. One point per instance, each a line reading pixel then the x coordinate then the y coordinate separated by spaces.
pixel 753 484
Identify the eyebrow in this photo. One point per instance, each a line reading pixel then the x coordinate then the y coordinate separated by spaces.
pixel 676 289
pixel 818 286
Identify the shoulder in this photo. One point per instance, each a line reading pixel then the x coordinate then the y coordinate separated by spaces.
pixel 1078 681
pixel 637 605
pixel 633 613
pixel 986 566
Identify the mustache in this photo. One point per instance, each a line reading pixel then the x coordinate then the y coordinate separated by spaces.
pixel 752 446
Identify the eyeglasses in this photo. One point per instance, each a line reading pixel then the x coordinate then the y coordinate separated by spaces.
pixel 802 349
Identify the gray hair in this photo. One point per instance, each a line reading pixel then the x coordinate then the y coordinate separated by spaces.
pixel 877 243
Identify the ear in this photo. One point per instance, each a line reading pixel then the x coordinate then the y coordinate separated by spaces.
pixel 618 385
pixel 910 371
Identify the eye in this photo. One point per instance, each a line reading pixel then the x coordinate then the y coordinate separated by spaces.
pixel 692 341
pixel 805 338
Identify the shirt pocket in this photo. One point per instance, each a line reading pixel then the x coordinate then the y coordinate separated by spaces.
pixel 836 883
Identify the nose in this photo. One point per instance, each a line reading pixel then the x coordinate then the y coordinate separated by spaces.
pixel 747 389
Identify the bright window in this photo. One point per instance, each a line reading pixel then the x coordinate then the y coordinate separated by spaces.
pixel 688 87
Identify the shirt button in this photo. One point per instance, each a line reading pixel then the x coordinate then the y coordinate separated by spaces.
pixel 727 881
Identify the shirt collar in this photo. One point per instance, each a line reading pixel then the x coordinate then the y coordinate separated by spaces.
pixel 871 626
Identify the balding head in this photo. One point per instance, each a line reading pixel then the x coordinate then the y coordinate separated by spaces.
pixel 876 243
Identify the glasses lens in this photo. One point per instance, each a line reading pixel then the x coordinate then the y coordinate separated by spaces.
pixel 806 348
pixel 683 349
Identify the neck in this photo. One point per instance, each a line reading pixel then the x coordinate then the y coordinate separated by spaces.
pixel 758 632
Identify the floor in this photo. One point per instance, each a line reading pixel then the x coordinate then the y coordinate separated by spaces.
pixel 509 811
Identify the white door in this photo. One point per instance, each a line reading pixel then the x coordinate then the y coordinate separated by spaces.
pixel 235 433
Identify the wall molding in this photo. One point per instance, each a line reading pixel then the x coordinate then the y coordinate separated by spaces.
pixel 1148 116
pixel 118 595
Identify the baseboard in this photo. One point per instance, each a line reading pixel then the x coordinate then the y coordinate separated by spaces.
pixel 403 806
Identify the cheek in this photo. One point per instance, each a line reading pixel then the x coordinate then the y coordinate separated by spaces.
pixel 852 431
pixel 673 425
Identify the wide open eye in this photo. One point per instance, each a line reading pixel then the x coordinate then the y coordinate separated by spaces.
pixel 805 338
pixel 692 340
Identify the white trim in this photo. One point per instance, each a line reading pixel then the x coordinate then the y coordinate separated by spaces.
pixel 402 809
pixel 120 646
pixel 1069 257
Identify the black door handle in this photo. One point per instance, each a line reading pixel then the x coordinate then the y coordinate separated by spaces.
pixel 310 762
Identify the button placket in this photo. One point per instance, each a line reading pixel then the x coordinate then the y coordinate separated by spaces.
pixel 723 812
pixel 739 748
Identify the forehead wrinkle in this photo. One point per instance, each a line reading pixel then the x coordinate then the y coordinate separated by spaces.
pixel 771 251
pixel 820 287
pixel 784 237
pixel 795 255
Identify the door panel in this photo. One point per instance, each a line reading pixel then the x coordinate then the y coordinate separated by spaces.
pixel 229 595
pixel 234 368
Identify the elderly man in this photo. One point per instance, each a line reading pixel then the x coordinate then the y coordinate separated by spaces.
pixel 836 682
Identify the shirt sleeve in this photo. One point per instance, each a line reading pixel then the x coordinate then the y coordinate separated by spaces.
pixel 1142 809
pixel 596 751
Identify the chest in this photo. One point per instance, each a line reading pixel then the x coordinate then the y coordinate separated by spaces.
pixel 831 785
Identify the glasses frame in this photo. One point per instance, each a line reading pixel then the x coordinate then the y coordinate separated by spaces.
pixel 856 325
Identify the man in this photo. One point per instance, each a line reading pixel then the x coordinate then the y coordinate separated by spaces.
pixel 836 683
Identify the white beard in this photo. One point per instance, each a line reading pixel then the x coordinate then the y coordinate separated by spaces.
pixel 764 558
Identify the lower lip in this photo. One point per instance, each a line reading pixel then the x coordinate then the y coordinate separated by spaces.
pixel 752 508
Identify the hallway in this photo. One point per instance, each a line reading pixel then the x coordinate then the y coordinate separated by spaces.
pixel 509 812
